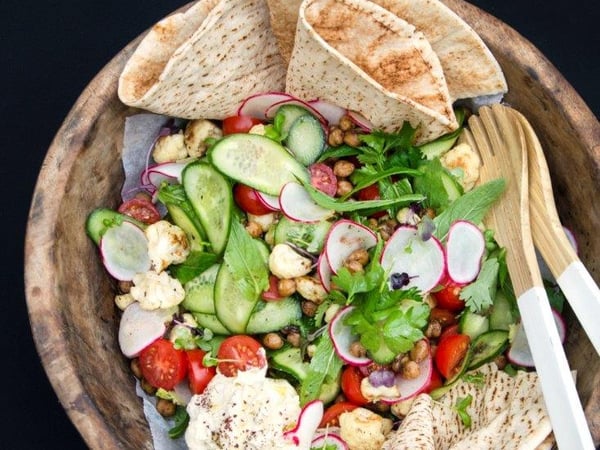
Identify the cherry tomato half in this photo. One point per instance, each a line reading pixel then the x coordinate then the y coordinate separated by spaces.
pixel 239 124
pixel 450 353
pixel 140 209
pixel 239 352
pixel 331 416
pixel 247 199
pixel 323 178
pixel 443 316
pixel 449 298
pixel 198 375
pixel 369 193
pixel 351 379
pixel 162 365
pixel 272 294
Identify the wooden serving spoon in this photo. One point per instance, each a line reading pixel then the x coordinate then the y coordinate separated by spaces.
pixel 549 237
pixel 501 143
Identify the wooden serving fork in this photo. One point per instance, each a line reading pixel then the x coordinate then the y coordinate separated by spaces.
pixel 501 143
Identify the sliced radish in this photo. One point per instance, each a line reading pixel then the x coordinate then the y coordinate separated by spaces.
pixel 124 250
pixel 423 261
pixel 308 422
pixel 464 250
pixel 343 338
pixel 345 237
pixel 332 113
pixel 156 174
pixel 328 439
pixel 296 203
pixel 270 201
pixel 360 121
pixel 410 387
pixel 140 327
pixel 519 352
pixel 324 271
pixel 272 110
pixel 256 105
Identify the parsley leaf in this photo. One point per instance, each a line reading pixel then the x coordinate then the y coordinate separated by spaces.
pixel 461 408
pixel 325 367
pixel 479 295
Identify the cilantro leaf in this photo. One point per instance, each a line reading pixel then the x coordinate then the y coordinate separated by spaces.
pixel 461 408
pixel 325 366
pixel 479 295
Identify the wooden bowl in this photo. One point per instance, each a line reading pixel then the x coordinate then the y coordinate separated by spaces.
pixel 70 296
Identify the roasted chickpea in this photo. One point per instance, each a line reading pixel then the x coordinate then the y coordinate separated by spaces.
pixel 343 187
pixel 351 139
pixel 272 341
pixel 420 351
pixel 286 287
pixel 434 329
pixel 125 286
pixel 165 408
pixel 147 387
pixel 294 339
pixel 336 137
pixel 134 365
pixel 346 123
pixel 343 168
pixel 361 255
pixel 410 370
pixel 354 266
pixel 309 308
pixel 254 229
pixel 357 349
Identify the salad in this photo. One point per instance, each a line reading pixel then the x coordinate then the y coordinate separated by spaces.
pixel 304 276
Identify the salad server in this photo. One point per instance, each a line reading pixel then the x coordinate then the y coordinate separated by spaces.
pixel 493 134
pixel 577 284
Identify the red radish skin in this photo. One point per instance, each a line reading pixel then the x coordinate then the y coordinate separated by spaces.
pixel 423 261
pixel 360 121
pixel 324 271
pixel 270 201
pixel 308 422
pixel 332 113
pixel 345 237
pixel 158 173
pixel 342 338
pixel 464 252
pixel 297 205
pixel 256 105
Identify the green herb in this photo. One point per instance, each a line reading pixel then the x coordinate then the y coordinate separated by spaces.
pixel 479 295
pixel 471 206
pixel 510 370
pixel 366 176
pixel 196 263
pixel 461 408
pixel 343 151
pixel 431 182
pixel 181 420
pixel 325 446
pixel 325 367
pixel 476 378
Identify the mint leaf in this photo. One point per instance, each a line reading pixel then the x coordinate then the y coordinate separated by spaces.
pixel 432 185
pixel 472 206
pixel 479 295
pixel 325 366
pixel 194 265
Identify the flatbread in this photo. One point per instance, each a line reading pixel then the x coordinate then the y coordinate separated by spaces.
pixel 284 18
pixel 197 63
pixel 506 412
pixel 362 57
pixel 469 66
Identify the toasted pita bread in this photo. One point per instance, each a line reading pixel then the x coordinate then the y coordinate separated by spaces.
pixel 469 67
pixel 506 412
pixel 196 64
pixel 284 18
pixel 362 57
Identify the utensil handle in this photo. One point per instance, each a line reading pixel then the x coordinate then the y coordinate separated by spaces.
pixel 560 395
pixel 584 298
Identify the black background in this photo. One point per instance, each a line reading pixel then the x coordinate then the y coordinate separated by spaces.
pixel 51 50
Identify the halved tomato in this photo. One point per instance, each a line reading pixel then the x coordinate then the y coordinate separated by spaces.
pixel 247 199
pixel 162 365
pixel 140 209
pixel 331 416
pixel 449 298
pixel 351 378
pixel 239 124
pixel 443 316
pixel 450 353
pixel 198 375
pixel 240 352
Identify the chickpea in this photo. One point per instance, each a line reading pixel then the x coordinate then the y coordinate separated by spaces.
pixel 254 229
pixel 272 341
pixel 354 266
pixel 434 329
pixel 346 123
pixel 410 370
pixel 125 286
pixel 360 255
pixel 165 408
pixel 398 362
pixel 309 308
pixel 420 351
pixel 294 339
pixel 336 137
pixel 357 349
pixel 286 287
pixel 343 168
pixel 351 139
pixel 147 387
pixel 501 361
pixel 430 212
pixel 343 187
pixel 134 365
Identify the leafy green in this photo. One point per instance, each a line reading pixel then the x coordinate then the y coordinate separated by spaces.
pixel 196 263
pixel 325 367
pixel 461 408
pixel 479 295
pixel 431 184
pixel 472 206
pixel 181 420
pixel 476 378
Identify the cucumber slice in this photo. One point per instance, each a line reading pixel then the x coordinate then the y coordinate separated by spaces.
pixel 309 236
pixel 191 225
pixel 211 322
pixel 473 324
pixel 289 113
pixel 231 307
pixel 501 317
pixel 210 195
pixel 289 360
pixel 124 250
pixel 101 219
pixel 330 390
pixel 452 186
pixel 306 139
pixel 487 346
pixel 257 161
pixel 272 316
pixel 199 292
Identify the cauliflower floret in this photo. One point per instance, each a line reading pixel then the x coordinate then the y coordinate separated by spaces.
pixel 310 289
pixel 362 429
pixel 284 262
pixel 373 393
pixel 196 133
pixel 465 159
pixel 169 148
pixel 123 301
pixel 266 221
pixel 167 244
pixel 156 290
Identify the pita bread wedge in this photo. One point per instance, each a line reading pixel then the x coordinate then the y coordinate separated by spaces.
pixel 506 413
pixel 362 57
pixel 195 64
pixel 284 17
pixel 470 68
